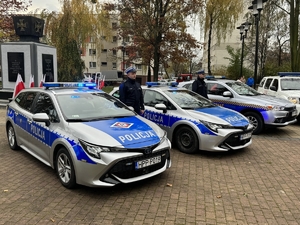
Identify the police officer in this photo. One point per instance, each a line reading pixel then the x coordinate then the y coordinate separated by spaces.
pixel 199 85
pixel 131 92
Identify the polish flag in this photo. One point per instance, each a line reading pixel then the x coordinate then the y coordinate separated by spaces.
pixel 31 82
pixel 101 84
pixel 19 85
pixel 42 80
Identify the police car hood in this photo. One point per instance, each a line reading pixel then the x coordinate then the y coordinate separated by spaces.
pixel 129 132
pixel 267 100
pixel 219 115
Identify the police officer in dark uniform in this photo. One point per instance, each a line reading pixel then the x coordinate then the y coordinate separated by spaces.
pixel 199 85
pixel 131 92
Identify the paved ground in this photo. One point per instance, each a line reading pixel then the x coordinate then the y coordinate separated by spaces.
pixel 258 185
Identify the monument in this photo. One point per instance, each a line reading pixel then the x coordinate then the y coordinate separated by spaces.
pixel 27 56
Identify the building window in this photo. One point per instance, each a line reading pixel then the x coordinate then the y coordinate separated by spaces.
pixel 92 64
pixel 103 63
pixel 92 39
pixel 92 51
pixel 114 52
pixel 126 39
pixel 114 65
pixel 138 66
pixel 114 26
pixel 115 38
pixel 104 50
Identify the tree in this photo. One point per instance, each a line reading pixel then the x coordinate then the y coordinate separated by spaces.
pixel 7 9
pixel 293 12
pixel 71 30
pixel 221 17
pixel 158 29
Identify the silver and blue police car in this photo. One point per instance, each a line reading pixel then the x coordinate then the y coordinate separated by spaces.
pixel 192 122
pixel 262 111
pixel 86 135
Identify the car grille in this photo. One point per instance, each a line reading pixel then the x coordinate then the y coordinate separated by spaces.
pixel 126 167
pixel 234 140
pixel 289 116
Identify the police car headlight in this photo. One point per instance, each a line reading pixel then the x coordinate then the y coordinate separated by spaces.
pixel 95 150
pixel 294 100
pixel 214 126
pixel 275 107
pixel 164 138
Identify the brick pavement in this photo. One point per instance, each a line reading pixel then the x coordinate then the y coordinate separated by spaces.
pixel 258 185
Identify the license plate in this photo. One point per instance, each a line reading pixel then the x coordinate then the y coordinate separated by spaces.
pixel 294 113
pixel 245 136
pixel 147 162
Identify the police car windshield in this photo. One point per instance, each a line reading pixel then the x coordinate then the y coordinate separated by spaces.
pixel 91 106
pixel 290 84
pixel 188 100
pixel 242 89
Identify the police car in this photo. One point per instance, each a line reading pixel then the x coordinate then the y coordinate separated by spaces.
pixel 261 110
pixel 286 86
pixel 86 135
pixel 192 122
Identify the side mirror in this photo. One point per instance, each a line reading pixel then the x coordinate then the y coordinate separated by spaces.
pixel 227 94
pixel 162 107
pixel 41 117
pixel 273 88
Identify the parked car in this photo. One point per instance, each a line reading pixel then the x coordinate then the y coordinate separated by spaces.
pixel 261 110
pixel 86 135
pixel 192 122
pixel 286 85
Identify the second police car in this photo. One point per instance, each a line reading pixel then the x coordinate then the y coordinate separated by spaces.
pixel 86 135
pixel 192 122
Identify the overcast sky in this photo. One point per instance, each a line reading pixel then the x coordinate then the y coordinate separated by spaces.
pixel 54 5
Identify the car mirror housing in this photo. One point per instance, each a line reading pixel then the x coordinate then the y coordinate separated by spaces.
pixel 227 94
pixel 41 117
pixel 162 107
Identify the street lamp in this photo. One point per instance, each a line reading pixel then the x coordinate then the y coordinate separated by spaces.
pixel 257 7
pixel 243 32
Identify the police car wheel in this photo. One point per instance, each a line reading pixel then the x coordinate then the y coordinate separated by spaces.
pixel 65 169
pixel 11 136
pixel 256 121
pixel 186 140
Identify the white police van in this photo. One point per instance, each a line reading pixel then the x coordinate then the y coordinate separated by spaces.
pixel 86 135
pixel 286 86
pixel 192 122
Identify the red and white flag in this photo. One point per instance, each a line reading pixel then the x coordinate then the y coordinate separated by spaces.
pixel 31 82
pixel 42 80
pixel 101 83
pixel 19 85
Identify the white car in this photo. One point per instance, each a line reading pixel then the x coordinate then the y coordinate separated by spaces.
pixel 286 85
pixel 86 135
pixel 192 122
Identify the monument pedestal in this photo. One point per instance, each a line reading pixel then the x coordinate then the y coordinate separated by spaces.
pixel 26 58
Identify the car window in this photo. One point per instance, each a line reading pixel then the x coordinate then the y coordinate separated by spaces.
pixel 268 82
pixel 216 89
pixel 261 84
pixel 290 84
pixel 44 104
pixel 275 84
pixel 84 106
pixel 151 98
pixel 188 99
pixel 116 94
pixel 25 100
pixel 188 86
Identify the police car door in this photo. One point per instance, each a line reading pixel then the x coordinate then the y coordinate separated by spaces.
pixel 215 93
pixel 151 98
pixel 40 139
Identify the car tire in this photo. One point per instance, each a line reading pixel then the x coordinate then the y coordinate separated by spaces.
pixel 256 120
pixel 65 169
pixel 11 136
pixel 186 140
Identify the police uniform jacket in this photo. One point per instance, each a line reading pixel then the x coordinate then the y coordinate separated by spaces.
pixel 199 86
pixel 131 94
